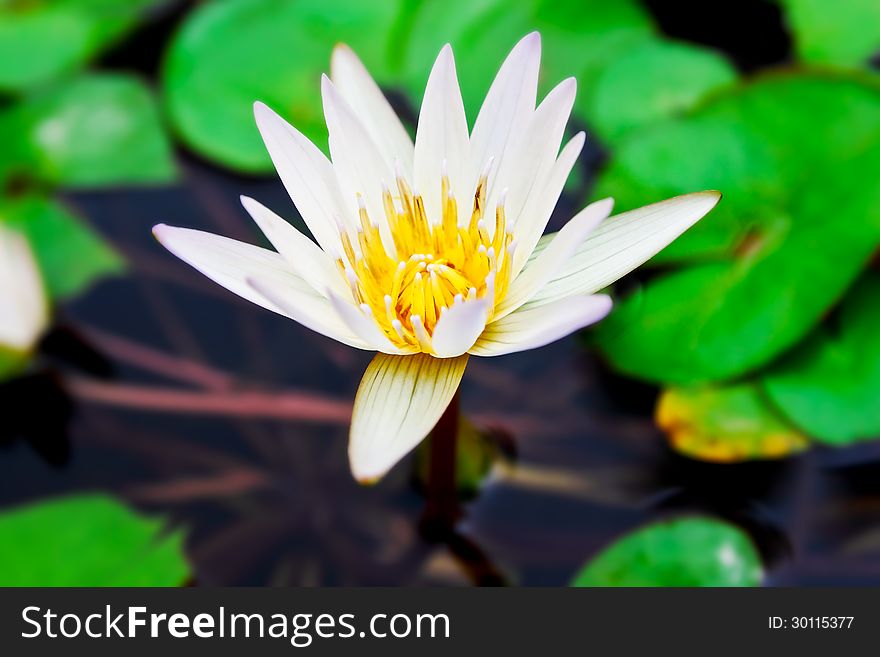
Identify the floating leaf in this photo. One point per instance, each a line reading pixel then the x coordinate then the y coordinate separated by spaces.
pixel 688 551
pixel 71 256
pixel 789 197
pixel 41 40
pixel 93 130
pixel 231 53
pixel 726 424
pixel 87 540
pixel 579 37
pixel 846 33
pixel 651 81
pixel 830 385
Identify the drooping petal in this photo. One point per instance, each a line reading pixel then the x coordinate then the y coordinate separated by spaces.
pixel 24 311
pixel 442 136
pixel 507 108
pixel 303 255
pixel 399 401
pixel 539 206
pixel 526 172
pixel 307 175
pixel 362 324
pixel 236 265
pixel 622 243
pixel 459 327
pixel 529 328
pixel 367 100
pixel 542 269
pixel 359 165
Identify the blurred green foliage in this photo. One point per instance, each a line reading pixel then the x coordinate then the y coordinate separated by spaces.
pixel 841 33
pixel 87 540
pixel 42 40
pixel 686 551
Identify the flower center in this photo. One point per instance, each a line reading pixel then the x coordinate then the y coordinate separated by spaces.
pixel 407 278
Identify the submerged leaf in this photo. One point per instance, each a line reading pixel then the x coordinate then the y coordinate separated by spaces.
pixel 91 131
pixel 687 551
pixel 71 256
pixel 726 424
pixel 87 540
pixel 830 386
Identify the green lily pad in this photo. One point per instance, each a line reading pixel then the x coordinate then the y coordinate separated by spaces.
pixel 687 551
pixel 796 226
pixel 654 80
pixel 579 38
pixel 830 385
pixel 43 39
pixel 845 33
pixel 71 256
pixel 231 53
pixel 92 131
pixel 87 540
pixel 726 424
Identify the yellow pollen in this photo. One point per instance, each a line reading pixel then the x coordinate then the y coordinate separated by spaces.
pixel 436 264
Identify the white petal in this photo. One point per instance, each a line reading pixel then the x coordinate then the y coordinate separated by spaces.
pixel 508 107
pixel 539 206
pixel 235 265
pixel 362 324
pixel 622 243
pixel 303 255
pixel 442 135
pixel 307 175
pixel 308 309
pixel 399 401
pixel 369 103
pixel 24 311
pixel 529 328
pixel 459 327
pixel 543 268
pixel 360 167
pixel 526 172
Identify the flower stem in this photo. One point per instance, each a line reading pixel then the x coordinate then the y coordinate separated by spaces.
pixel 442 508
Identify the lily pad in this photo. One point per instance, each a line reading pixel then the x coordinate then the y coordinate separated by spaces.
pixel 687 551
pixel 71 256
pixel 41 39
pixel 830 385
pixel 845 33
pixel 726 424
pixel 579 38
pixel 797 224
pixel 92 131
pixel 654 80
pixel 87 540
pixel 231 53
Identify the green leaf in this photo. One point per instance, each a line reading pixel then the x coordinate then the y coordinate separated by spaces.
pixel 844 33
pixel 687 551
pixel 798 184
pixel 652 81
pixel 91 131
pixel 71 256
pixel 726 424
pixel 231 53
pixel 87 540
pixel 43 39
pixel 830 385
pixel 579 38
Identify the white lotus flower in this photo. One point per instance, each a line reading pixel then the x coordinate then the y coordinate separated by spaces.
pixel 24 311
pixel 430 252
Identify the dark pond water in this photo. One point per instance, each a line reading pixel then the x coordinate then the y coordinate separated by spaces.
pixel 232 421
